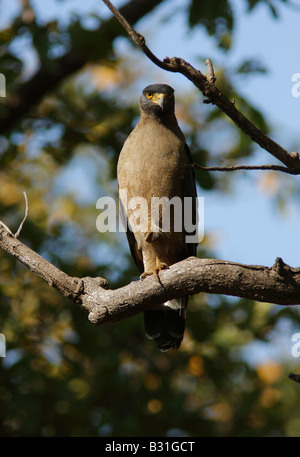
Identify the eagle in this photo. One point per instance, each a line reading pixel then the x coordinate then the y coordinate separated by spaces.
pixel 158 200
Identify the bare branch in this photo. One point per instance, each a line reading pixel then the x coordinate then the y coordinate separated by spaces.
pixel 28 15
pixel 279 284
pixel 214 95
pixel 249 167
pixel 25 216
pixel 211 71
pixel 295 377
pixel 6 228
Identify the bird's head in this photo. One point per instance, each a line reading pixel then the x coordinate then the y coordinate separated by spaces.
pixel 158 99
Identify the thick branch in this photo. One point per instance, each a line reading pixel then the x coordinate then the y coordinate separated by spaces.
pixel 279 284
pixel 214 95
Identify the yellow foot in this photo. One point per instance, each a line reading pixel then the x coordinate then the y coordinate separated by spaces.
pixel 159 267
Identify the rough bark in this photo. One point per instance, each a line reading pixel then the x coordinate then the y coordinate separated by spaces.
pixel 279 284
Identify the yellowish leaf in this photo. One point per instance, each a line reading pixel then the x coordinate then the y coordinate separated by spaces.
pixel 269 372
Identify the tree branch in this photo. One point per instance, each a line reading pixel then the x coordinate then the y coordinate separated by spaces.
pixel 214 95
pixel 248 167
pixel 279 284
pixel 24 218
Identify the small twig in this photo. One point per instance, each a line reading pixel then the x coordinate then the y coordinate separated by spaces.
pixel 16 235
pixel 6 228
pixel 211 72
pixel 295 377
pixel 136 37
pixel 133 34
pixel 290 171
pixel 28 16
pixel 174 64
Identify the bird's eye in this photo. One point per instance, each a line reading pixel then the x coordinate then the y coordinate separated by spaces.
pixel 149 95
pixel 170 94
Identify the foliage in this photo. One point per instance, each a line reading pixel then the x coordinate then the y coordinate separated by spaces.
pixel 62 376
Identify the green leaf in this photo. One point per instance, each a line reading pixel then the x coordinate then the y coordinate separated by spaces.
pixel 217 18
pixel 251 66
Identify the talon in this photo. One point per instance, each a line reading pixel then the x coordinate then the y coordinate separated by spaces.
pixel 146 273
pixel 155 271
pixel 162 266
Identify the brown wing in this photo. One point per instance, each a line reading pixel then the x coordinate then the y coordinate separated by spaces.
pixel 135 252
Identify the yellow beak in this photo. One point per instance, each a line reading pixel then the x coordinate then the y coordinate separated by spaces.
pixel 159 99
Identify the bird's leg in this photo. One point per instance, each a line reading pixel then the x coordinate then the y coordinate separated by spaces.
pixel 158 267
